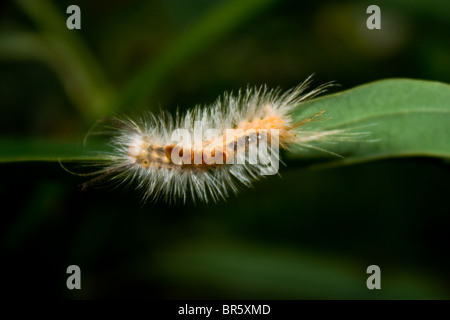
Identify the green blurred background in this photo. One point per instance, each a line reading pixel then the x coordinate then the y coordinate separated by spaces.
pixel 309 234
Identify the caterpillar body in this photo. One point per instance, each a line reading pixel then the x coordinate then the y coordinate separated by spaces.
pixel 146 154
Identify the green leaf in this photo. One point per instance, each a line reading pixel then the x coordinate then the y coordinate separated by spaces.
pixel 402 117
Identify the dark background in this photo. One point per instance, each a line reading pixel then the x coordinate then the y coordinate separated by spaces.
pixel 309 234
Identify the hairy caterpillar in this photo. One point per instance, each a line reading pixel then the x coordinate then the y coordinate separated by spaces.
pixel 148 153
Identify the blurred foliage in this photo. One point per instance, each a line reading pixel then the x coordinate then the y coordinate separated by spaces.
pixel 310 234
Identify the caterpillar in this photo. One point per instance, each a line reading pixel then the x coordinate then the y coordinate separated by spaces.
pixel 240 144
